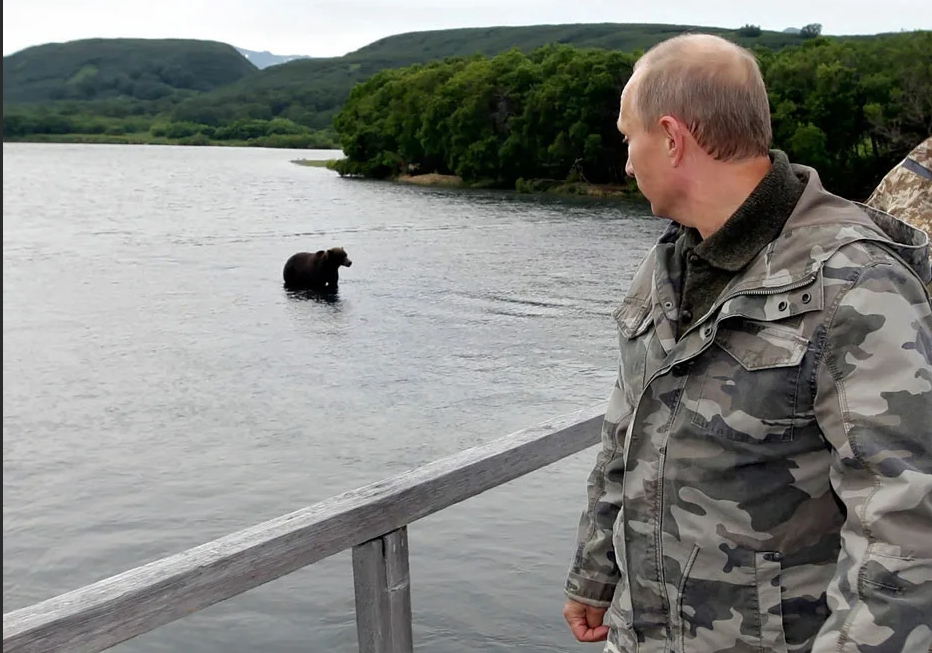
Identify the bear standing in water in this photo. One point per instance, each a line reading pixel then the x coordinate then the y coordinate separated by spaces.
pixel 317 271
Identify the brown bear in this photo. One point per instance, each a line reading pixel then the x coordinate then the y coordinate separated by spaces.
pixel 317 271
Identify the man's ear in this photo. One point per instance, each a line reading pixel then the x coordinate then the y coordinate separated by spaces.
pixel 674 138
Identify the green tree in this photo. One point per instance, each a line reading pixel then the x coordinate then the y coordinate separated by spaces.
pixel 811 30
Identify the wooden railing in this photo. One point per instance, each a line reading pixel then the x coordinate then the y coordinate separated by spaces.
pixel 372 520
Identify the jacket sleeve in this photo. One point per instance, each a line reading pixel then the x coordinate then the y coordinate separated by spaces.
pixel 873 391
pixel 593 573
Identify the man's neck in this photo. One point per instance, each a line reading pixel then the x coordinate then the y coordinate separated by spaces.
pixel 719 189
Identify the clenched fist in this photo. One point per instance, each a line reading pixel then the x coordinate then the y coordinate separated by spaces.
pixel 585 621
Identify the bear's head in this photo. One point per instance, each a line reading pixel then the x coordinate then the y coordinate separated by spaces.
pixel 337 256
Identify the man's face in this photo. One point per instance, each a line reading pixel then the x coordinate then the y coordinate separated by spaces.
pixel 647 160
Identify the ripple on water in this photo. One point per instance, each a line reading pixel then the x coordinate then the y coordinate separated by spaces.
pixel 161 388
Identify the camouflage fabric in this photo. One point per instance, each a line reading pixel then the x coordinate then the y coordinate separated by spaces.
pixel 906 191
pixel 765 482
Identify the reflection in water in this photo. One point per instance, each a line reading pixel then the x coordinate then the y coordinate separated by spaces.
pixel 161 388
pixel 315 296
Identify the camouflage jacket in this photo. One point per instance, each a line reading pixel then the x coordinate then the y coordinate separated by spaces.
pixel 906 191
pixel 765 482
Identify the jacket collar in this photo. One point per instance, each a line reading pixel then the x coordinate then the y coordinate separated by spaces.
pixel 818 226
pixel 758 220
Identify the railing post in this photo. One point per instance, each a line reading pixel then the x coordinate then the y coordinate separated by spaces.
pixel 383 594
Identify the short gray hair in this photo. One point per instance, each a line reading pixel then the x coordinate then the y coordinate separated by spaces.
pixel 713 86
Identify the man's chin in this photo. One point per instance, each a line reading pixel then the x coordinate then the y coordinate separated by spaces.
pixel 659 212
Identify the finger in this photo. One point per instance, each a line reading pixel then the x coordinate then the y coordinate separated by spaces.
pixel 594 617
pixel 579 627
pixel 599 633
pixel 592 634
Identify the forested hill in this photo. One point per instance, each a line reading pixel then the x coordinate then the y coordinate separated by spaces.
pixel 850 109
pixel 420 47
pixel 202 92
pixel 311 91
pixel 97 69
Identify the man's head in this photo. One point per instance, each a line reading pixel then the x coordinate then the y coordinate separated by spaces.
pixel 692 102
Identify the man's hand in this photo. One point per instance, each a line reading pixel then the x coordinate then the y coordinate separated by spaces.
pixel 585 621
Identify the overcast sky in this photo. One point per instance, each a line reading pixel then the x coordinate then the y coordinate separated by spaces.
pixel 335 27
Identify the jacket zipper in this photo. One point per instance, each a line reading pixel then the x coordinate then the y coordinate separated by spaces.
pixel 662 457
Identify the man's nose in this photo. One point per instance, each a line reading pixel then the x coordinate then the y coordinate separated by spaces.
pixel 629 169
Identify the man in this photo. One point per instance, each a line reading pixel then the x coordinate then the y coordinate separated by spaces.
pixel 906 191
pixel 765 477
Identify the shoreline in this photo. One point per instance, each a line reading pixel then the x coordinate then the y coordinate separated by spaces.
pixel 560 187
pixel 146 139
pixel 529 187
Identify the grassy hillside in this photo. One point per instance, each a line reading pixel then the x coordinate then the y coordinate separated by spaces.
pixel 418 47
pixel 205 92
pixel 311 91
pixel 308 92
pixel 100 69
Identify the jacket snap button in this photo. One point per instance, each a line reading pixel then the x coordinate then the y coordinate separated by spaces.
pixel 782 306
pixel 806 298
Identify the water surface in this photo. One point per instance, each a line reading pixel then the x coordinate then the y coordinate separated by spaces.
pixel 161 389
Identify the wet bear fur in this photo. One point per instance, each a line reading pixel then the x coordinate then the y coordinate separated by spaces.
pixel 315 271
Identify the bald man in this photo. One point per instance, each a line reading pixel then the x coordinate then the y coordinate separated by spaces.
pixel 765 476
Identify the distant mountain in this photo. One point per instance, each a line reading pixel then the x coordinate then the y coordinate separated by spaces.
pixel 100 69
pixel 792 30
pixel 265 58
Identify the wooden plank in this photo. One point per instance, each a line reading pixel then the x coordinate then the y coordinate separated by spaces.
pixel 373 625
pixel 115 609
pixel 383 594
pixel 398 586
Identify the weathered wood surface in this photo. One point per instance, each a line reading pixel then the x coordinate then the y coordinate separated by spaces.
pixel 115 609
pixel 398 589
pixel 383 594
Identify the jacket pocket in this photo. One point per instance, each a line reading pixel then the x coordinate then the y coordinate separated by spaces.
pixel 634 321
pixel 751 383
pixel 768 573
pixel 731 599
pixel 890 577
pixel 633 317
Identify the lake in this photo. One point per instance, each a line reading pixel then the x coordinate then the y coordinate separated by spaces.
pixel 161 389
